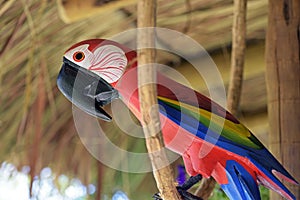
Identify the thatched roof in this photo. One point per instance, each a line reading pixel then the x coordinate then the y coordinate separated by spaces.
pixel 34 116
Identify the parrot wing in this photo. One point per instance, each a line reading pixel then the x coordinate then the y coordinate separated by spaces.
pixel 207 112
pixel 199 115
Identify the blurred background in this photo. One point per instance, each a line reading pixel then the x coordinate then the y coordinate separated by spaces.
pixel 39 143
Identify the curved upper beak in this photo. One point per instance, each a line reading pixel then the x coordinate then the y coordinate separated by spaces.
pixel 85 89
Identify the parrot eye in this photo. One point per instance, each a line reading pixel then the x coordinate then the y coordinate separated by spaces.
pixel 78 56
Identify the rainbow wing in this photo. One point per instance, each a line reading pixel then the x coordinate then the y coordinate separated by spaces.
pixel 193 112
pixel 233 131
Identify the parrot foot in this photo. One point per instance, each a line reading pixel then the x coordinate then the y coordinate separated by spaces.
pixel 185 195
pixel 191 181
pixel 182 190
pixel 156 196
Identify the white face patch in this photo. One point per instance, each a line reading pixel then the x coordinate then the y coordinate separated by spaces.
pixel 108 61
pixel 87 56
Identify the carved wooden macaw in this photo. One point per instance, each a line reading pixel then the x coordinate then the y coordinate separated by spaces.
pixel 211 141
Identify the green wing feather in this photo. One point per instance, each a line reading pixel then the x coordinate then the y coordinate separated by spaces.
pixel 232 131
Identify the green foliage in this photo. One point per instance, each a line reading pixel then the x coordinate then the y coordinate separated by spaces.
pixel 218 194
pixel 264 193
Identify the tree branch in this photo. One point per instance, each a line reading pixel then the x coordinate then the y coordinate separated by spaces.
pixel 237 55
pixel 148 101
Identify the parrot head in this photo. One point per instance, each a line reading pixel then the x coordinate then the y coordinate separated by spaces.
pixel 90 70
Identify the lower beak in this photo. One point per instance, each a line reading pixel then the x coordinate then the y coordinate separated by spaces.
pixel 85 89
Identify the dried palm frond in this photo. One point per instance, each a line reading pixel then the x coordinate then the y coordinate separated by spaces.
pixel 36 124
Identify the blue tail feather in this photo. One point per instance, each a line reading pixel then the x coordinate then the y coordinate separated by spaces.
pixel 267 164
pixel 241 184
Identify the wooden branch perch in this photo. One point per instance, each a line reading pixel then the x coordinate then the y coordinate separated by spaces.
pixel 206 188
pixel 237 55
pixel 148 101
pixel 236 76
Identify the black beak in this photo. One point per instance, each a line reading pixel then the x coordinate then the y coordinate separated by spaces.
pixel 85 89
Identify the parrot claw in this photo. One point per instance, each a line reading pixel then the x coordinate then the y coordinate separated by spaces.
pixel 156 196
pixel 182 190
pixel 191 181
pixel 185 195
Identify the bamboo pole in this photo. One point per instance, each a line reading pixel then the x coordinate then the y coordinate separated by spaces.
pixel 148 101
pixel 236 76
pixel 283 86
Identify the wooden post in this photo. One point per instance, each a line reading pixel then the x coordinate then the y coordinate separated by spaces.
pixel 148 101
pixel 236 76
pixel 283 86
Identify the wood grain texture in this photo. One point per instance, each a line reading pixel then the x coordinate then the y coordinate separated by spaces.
pixel 237 55
pixel 148 101
pixel 283 86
